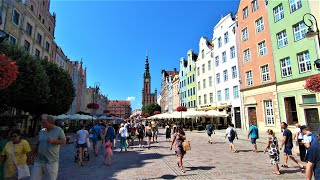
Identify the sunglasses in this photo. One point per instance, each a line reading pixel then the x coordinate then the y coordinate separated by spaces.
pixel 14 136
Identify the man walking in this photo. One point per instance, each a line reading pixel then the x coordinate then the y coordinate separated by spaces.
pixel 210 130
pixel 155 130
pixel 309 138
pixel 288 145
pixel 253 134
pixel 50 137
pixel 313 162
pixel 96 132
pixel 140 133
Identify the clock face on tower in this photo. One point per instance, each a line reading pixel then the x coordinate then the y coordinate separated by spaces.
pixel 147 80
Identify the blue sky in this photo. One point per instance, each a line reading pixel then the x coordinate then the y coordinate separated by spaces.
pixel 112 38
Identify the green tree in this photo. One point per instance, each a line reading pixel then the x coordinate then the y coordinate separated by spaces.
pixel 62 91
pixel 151 108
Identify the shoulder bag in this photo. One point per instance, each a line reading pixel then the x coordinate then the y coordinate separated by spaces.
pixel 22 170
pixel 98 135
pixel 186 145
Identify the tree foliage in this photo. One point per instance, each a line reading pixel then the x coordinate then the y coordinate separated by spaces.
pixel 151 108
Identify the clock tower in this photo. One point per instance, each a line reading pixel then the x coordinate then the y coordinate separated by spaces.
pixel 147 96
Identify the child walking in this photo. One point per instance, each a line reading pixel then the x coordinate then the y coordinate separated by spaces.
pixel 107 151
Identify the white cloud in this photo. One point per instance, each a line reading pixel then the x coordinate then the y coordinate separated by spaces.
pixel 131 99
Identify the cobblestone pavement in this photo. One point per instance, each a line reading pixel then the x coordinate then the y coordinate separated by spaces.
pixel 204 161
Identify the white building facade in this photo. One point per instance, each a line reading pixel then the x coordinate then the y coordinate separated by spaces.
pixel 226 71
pixel 206 98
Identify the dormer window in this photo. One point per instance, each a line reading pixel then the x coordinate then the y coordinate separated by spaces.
pixel 202 54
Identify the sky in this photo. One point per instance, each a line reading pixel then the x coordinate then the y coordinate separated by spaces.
pixel 112 38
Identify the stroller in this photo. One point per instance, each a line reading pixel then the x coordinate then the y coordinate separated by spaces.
pixel 86 155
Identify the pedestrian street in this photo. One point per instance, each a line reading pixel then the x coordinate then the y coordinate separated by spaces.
pixel 204 161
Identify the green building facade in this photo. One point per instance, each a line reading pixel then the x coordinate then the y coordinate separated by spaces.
pixel 191 80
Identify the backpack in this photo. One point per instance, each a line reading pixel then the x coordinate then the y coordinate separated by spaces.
pixel 129 127
pixel 314 139
pixel 140 129
pixel 232 133
pixel 210 129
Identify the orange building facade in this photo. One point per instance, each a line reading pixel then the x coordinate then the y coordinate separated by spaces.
pixel 256 67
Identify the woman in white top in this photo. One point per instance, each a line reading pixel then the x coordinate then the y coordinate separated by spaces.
pixel 123 137
pixel 298 137
pixel 82 136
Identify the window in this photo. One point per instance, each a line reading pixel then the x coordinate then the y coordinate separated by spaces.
pixel 295 5
pixel 278 13
pixel 205 99
pixel 202 53
pixel 232 52
pixel 199 87
pixel 245 12
pixel 16 17
pixel 234 29
pixel 39 39
pixel 304 62
pixel 235 92
pixel 218 78
pixel 39 17
pixel 12 40
pixel 189 67
pixel 254 5
pixel 203 68
pixel 37 54
pixel 211 54
pixel 219 95
pixel 226 37
pixel 199 98
pixel 291 110
pixel 198 71
pixel 309 99
pixel 265 76
pixel 226 94
pixel 29 29
pixel 285 67
pixel 269 112
pixel 47 46
pixel 31 8
pixel 193 78
pixel 194 92
pixel 219 42
pixel 249 80
pixel 246 55
pixel 210 81
pixel 262 48
pixel 217 61
pixel 245 35
pixel 26 46
pixel 259 25
pixel 204 84
pixel 282 39
pixel 234 72
pixel 224 57
pixel 225 75
pixel 209 65
pixel 211 97
pixel 299 31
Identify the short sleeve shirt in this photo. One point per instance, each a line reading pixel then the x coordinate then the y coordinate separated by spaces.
pixel 95 130
pixel 313 156
pixel 229 130
pixel 123 131
pixel 82 136
pixel 307 138
pixel 298 131
pixel 253 132
pixel 49 153
pixel 288 134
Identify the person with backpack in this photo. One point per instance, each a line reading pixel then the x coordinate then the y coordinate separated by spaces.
pixel 128 126
pixel 110 133
pixel 96 132
pixel 313 162
pixel 254 135
pixel 309 138
pixel 231 133
pixel 168 132
pixel 210 130
pixel 140 134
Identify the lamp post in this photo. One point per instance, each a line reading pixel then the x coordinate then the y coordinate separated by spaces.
pixel 309 20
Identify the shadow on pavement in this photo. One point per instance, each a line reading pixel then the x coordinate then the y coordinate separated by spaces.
pixel 205 168
pixel 168 176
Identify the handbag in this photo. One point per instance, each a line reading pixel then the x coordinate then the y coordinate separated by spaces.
pixel 88 142
pixel 186 145
pixel 22 170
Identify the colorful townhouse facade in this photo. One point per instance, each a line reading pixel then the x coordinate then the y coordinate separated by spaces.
pixel 294 55
pixel 258 89
pixel 226 70
pixel 175 92
pixel 191 80
pixel 183 82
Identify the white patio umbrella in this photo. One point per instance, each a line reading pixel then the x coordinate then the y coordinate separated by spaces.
pixel 192 114
pixel 75 116
pixel 214 113
pixel 63 116
pixel 102 117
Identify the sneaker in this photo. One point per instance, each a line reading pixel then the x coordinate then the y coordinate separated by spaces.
pixel 139 145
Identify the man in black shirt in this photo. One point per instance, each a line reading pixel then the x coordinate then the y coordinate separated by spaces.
pixel 116 130
pixel 288 145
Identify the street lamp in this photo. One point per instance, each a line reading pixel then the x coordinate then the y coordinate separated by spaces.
pixel 3 36
pixel 311 33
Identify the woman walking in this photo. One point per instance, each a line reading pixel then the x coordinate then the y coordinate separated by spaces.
pixel 178 139
pixel 123 137
pixel 273 149
pixel 168 132
pixel 82 136
pixel 148 133
pixel 108 151
pixel 15 153
pixel 298 136
pixel 231 133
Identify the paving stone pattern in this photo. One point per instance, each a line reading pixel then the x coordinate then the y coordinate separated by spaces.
pixel 204 161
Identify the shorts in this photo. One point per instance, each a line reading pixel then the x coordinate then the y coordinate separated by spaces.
pixel 230 140
pixel 209 134
pixel 253 140
pixel 149 134
pixel 82 145
pixel 288 150
pixel 140 136
pixel 94 141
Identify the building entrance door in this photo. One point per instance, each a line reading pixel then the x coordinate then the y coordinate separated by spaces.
pixel 312 118
pixel 237 117
pixel 252 115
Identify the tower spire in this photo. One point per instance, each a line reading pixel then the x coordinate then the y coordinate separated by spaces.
pixel 146 69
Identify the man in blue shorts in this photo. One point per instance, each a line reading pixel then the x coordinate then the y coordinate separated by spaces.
pixel 253 134
pixel 96 132
pixel 313 160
